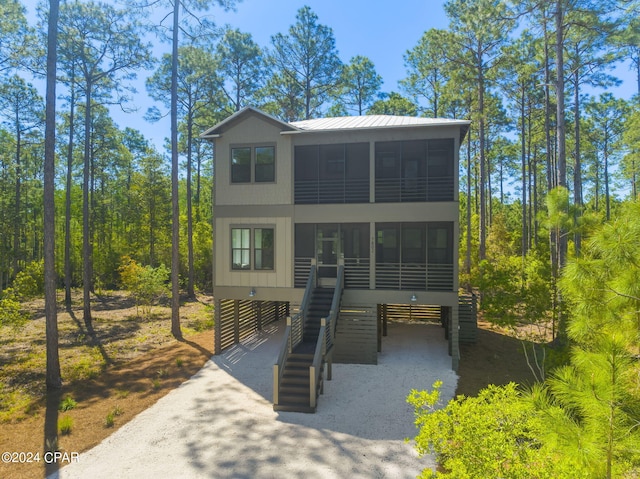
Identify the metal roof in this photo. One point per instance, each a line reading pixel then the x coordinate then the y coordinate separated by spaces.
pixel 216 130
pixel 337 123
pixel 371 121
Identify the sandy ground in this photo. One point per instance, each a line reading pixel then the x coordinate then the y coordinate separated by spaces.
pixel 221 424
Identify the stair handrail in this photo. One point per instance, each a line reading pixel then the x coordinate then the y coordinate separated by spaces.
pixel 335 307
pixel 278 367
pixel 310 286
pixel 316 366
pixel 288 342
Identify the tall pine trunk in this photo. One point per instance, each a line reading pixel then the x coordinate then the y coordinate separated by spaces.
pixel 18 205
pixel 561 123
pixel 86 230
pixel 53 377
pixel 69 182
pixel 523 157
pixel 190 280
pixel 482 250
pixel 175 204
pixel 577 166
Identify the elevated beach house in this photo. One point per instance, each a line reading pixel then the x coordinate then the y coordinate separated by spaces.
pixel 334 223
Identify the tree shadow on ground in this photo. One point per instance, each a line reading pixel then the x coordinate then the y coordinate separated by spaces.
pixel 113 302
pixel 494 358
pixel 50 440
pixel 358 430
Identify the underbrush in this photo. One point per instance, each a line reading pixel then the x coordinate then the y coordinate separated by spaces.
pixel 121 335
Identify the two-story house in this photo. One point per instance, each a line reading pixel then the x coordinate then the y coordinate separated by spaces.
pixel 368 204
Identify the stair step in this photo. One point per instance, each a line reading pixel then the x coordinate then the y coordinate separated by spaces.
pixel 293 394
pixel 300 356
pixel 295 390
pixel 285 407
pixel 288 380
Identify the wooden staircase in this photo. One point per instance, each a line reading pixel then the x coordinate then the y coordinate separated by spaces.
pixel 294 387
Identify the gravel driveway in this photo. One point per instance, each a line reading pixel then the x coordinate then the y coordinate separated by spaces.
pixel 221 424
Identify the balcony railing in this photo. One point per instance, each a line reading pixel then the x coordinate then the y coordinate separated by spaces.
pixel 440 188
pixel 301 269
pixel 356 273
pixel 440 277
pixel 355 190
pixel 414 276
pixel 395 276
pixel 389 190
pixel 400 276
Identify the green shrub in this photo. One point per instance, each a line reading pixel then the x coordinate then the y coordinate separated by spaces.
pixel 147 284
pixel 109 420
pixel 497 434
pixel 29 283
pixel 67 404
pixel 65 425
pixel 10 311
pixel 111 417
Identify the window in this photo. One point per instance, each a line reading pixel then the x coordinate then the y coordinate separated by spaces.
pixel 242 251
pixel 240 248
pixel 257 164
pixel 241 165
pixel 263 248
pixel 265 164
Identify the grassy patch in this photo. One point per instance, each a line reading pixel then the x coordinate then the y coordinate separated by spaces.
pixel 202 324
pixel 110 420
pixel 121 336
pixel 65 425
pixel 88 365
pixel 14 404
pixel 67 404
pixel 121 393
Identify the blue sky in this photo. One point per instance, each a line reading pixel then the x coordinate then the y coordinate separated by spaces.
pixel 382 31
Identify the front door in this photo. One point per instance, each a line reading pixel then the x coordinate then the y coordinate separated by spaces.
pixel 327 253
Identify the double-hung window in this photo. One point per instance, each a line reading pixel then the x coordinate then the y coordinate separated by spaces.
pixel 255 164
pixel 241 248
pixel 252 249
pixel 263 248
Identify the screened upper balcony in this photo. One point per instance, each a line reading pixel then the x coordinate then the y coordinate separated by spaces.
pixel 417 170
pixel 337 173
pixel 405 171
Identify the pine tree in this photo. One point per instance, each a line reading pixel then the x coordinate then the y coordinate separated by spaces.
pixel 308 61
pixel 598 392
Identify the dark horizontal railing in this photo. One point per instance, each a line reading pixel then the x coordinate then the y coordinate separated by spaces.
pixel 440 277
pixel 401 276
pixel 414 276
pixel 354 190
pixel 390 190
pixel 356 272
pixel 440 188
pixel 301 269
